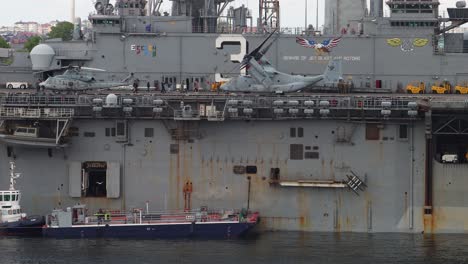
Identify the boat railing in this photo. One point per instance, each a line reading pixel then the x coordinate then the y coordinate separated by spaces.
pixel 37 99
pixel 255 30
pixel 23 112
pixel 143 217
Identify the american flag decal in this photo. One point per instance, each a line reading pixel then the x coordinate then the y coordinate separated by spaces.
pixel 305 43
pixel 325 46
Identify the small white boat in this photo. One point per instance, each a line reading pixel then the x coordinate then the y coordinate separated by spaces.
pixel 12 219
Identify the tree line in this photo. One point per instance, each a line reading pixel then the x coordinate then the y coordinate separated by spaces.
pixel 63 30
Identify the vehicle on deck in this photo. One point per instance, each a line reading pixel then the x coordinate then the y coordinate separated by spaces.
pixel 450 158
pixel 16 85
pixel 442 88
pixel 416 88
pixel 462 88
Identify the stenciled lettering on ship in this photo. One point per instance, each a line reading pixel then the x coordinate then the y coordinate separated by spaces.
pixel 147 50
pixel 321 58
pixel 236 58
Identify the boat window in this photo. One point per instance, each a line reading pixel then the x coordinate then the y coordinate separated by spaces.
pixel 89 134
pixel 251 169
pixel 296 151
pixel 300 132
pixel 1 197
pixel 10 212
pixel 174 148
pixel 311 155
pixel 403 132
pixel 7 198
pixel 121 128
pixel 110 132
pixel 32 130
pixel 149 132
pixel 74 131
pixel 22 130
pixel 293 132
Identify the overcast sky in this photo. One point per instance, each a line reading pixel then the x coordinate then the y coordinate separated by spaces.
pixel 292 11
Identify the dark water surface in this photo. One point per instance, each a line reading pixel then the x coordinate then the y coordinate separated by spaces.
pixel 280 247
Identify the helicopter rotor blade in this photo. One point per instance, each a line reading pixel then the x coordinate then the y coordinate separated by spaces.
pixel 83 68
pixel 257 53
pixel 92 69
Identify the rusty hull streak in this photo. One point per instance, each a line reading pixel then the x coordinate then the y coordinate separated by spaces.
pixel 368 210
pixel 304 207
pixel 173 201
pixel 428 222
pixel 337 212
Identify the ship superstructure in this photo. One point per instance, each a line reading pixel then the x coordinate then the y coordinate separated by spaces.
pixel 375 161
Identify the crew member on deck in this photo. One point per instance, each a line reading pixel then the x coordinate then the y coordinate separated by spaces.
pixel 100 216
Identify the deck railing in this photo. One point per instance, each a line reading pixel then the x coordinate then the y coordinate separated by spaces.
pixel 21 112
pixel 143 217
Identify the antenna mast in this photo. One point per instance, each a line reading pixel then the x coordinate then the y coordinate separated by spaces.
pixel 72 11
pixel 269 15
pixel 13 175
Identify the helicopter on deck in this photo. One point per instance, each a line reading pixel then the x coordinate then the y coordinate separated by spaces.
pixel 74 79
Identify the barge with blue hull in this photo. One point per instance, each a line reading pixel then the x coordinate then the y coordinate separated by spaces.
pixel 201 224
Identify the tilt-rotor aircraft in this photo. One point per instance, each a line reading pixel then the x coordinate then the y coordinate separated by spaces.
pixel 264 78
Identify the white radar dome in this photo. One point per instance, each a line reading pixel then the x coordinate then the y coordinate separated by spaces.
pixel 111 100
pixel 41 57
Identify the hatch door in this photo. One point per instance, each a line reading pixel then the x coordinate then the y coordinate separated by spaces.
pixel 74 179
pixel 113 180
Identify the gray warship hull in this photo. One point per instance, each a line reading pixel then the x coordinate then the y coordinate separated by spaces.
pixel 292 168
